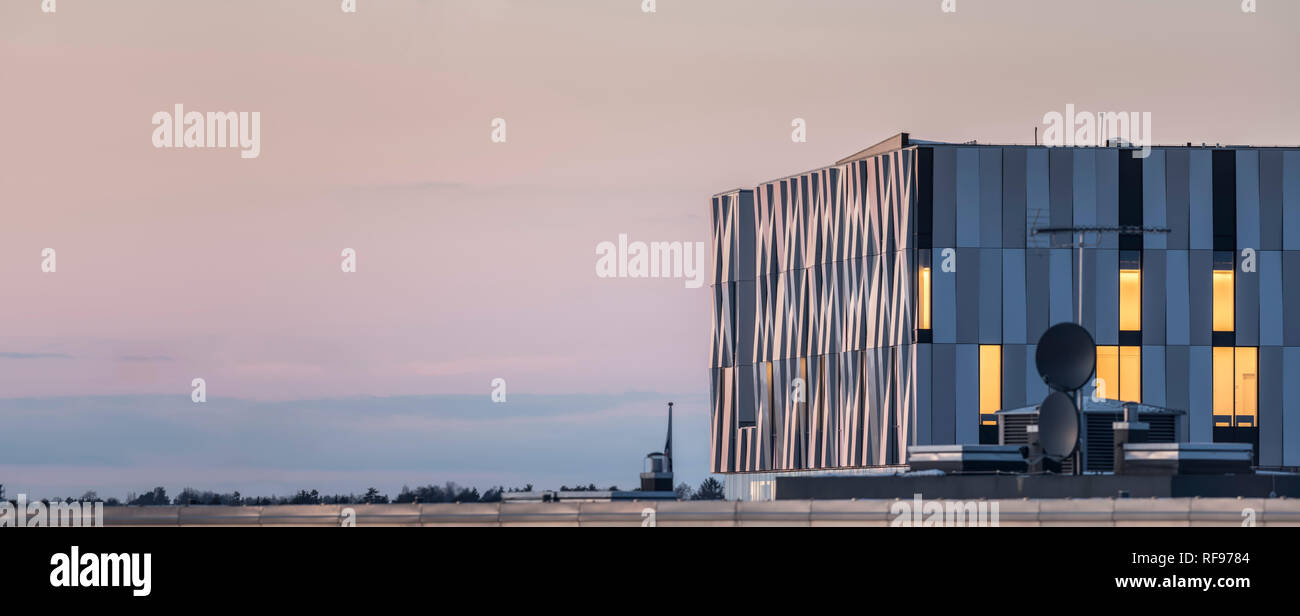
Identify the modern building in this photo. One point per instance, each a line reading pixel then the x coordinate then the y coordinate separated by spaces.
pixel 895 297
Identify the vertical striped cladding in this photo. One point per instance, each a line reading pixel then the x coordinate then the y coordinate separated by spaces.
pixel 833 305
pixel 815 275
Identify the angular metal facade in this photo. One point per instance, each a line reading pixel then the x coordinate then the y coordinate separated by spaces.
pixel 815 278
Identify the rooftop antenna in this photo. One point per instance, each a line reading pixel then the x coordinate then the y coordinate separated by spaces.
pixel 668 447
pixel 1035 135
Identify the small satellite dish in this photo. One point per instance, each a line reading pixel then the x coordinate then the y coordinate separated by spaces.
pixel 1066 356
pixel 1058 426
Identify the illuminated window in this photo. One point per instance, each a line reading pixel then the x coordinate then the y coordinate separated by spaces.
pixel 1224 317
pixel 1223 386
pixel 1119 373
pixel 990 383
pixel 1247 387
pixel 923 297
pixel 1108 372
pixel 1130 374
pixel 1130 300
pixel 1236 387
pixel 923 305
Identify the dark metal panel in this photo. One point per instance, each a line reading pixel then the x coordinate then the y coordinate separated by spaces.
pixel 1247 304
pixel 1200 265
pixel 1153 296
pixel 1270 200
pixel 944 306
pixel 1291 299
pixel 1090 280
pixel 1085 188
pixel 1200 173
pixel 990 296
pixel 1270 406
pixel 1037 292
pixel 1225 199
pixel 1291 402
pixel 945 196
pixel 1060 308
pixel 924 394
pixel 1177 198
pixel 968 295
pixel 1014 300
pixel 1176 381
pixel 1201 394
pixel 1291 200
pixel 1013 376
pixel 1037 196
pixel 990 191
pixel 1153 197
pixel 943 410
pixel 1247 199
pixel 1013 198
pixel 1177 299
pixel 1108 193
pixel 1035 388
pixel 1153 375
pixel 968 198
pixel 1271 315
pixel 1107 304
pixel 1061 186
pixel 968 393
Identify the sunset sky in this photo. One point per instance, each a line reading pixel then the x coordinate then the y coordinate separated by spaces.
pixel 476 259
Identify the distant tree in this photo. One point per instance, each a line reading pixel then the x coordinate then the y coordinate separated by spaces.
pixel 89 496
pixel 684 491
pixel 710 489
pixel 157 496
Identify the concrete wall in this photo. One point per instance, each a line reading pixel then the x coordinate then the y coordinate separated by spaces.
pixel 1018 512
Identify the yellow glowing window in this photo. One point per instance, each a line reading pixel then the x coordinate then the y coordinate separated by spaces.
pixel 1224 318
pixel 1223 386
pixel 923 300
pixel 990 383
pixel 1130 374
pixel 1108 372
pixel 1119 373
pixel 1247 388
pixel 1130 300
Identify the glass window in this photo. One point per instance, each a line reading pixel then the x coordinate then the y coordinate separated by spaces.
pixel 1247 387
pixel 1223 386
pixel 923 292
pixel 1130 374
pixel 1119 373
pixel 1224 316
pixel 1108 372
pixel 990 383
pixel 1130 291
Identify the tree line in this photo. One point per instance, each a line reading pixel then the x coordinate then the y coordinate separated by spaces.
pixel 449 492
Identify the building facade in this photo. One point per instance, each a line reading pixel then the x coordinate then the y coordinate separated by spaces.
pixel 895 297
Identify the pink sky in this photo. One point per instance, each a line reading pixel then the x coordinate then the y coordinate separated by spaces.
pixel 476 259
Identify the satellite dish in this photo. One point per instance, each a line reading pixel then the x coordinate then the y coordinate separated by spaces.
pixel 1058 426
pixel 1066 356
